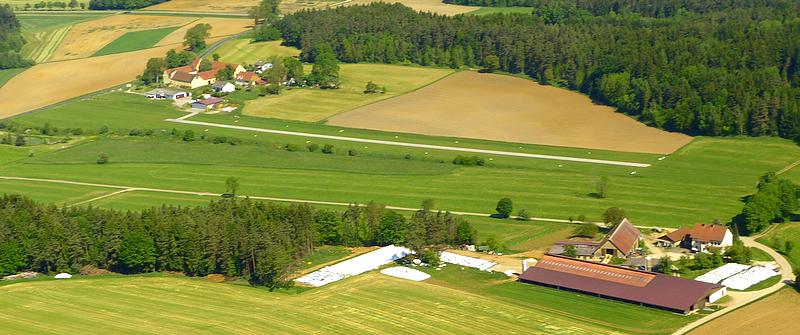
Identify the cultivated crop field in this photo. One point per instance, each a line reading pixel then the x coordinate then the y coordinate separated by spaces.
pixel 7 74
pixel 775 314
pixel 370 303
pixel 135 40
pixel 434 6
pixel 44 32
pixel 510 109
pixel 698 183
pixel 317 105
pixel 220 27
pixel 86 38
pixel 243 51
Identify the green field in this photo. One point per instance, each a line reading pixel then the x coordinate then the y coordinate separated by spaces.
pixel 316 105
pixel 700 182
pixel 501 10
pixel 135 40
pixel 20 4
pixel 44 32
pixel 453 301
pixel 777 238
pixel 245 52
pixel 7 74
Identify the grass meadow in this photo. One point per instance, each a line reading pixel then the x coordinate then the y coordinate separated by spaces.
pixel 243 51
pixel 454 300
pixel 7 74
pixel 702 181
pixel 777 238
pixel 135 40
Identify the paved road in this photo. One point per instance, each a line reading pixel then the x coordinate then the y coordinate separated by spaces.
pixel 743 298
pixel 185 120
pixel 126 189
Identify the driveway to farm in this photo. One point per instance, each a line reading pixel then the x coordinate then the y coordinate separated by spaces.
pixel 125 189
pixel 743 298
pixel 185 120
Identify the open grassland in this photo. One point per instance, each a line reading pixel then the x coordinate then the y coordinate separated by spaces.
pixel 7 74
pixel 433 6
pixel 700 182
pixel 135 40
pixel 86 38
pixel 243 51
pixel 775 314
pixel 778 237
pixel 316 104
pixel 510 109
pixel 367 304
pixel 44 32
pixel 57 194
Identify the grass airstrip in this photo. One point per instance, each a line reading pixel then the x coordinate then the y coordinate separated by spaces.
pixel 454 300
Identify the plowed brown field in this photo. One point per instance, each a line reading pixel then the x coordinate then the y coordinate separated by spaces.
pixel 510 109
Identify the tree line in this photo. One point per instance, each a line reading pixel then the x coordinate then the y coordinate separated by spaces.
pixel 731 71
pixel 11 40
pixel 775 201
pixel 262 242
pixel 122 4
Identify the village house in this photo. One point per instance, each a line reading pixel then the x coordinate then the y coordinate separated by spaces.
pixel 262 66
pixel 621 242
pixel 248 78
pixel 223 87
pixel 191 76
pixel 698 238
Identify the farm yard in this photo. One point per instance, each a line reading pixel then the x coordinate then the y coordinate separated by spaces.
pixel 317 105
pixel 509 109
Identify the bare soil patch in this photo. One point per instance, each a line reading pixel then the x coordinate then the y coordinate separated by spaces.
pixel 775 314
pixel 86 38
pixel 510 109
pixel 434 6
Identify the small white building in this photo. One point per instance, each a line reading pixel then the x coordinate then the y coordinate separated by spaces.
pixel 223 87
pixel 165 93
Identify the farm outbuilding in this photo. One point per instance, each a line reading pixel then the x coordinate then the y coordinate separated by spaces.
pixel 164 93
pixel 650 289
pixel 209 103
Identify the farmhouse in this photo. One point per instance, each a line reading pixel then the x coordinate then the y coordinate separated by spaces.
pixel 209 103
pixel 192 76
pixel 621 242
pixel 223 87
pixel 699 237
pixel 164 93
pixel 249 78
pixel 656 290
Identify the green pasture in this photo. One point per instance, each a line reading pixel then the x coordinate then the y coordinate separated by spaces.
pixel 7 74
pixel 243 51
pixel 58 194
pixel 453 301
pixel 135 40
pixel 777 238
pixel 702 181
pixel 501 10
pixel 311 104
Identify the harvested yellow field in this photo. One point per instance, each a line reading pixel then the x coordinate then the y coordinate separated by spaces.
pixel 86 38
pixel 222 6
pixel 49 83
pixel 220 27
pixel 434 6
pixel 510 109
pixel 235 6
pixel 776 314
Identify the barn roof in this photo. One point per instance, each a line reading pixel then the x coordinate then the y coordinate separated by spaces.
pixel 700 232
pixel 649 288
pixel 181 76
pixel 624 236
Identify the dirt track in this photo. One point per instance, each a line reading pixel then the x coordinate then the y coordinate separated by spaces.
pixel 509 109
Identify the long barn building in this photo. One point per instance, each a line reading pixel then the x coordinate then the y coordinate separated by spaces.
pixel 639 287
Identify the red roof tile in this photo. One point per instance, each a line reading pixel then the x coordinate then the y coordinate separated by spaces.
pixel 708 232
pixel 624 236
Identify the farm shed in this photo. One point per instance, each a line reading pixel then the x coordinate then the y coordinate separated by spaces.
pixel 163 93
pixel 656 290
pixel 209 103
pixel 223 86
pixel 621 242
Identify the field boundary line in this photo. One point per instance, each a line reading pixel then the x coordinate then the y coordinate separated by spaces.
pixel 126 189
pixel 412 145
pixel 788 167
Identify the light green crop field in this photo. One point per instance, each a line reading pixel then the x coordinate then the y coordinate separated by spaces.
pixel 702 181
pixel 311 104
pixel 501 10
pixel 7 74
pixel 367 304
pixel 779 235
pixel 243 51
pixel 44 32
pixel 135 40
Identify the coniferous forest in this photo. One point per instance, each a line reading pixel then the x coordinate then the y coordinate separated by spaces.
pixel 11 40
pixel 122 4
pixel 697 67
pixel 262 242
